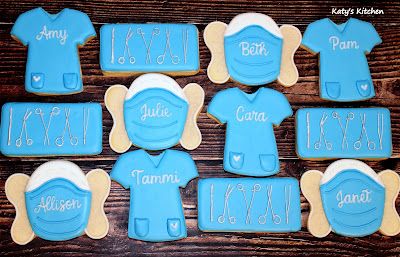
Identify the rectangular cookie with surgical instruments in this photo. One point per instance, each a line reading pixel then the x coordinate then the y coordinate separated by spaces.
pixel 326 133
pixel 51 129
pixel 139 48
pixel 249 205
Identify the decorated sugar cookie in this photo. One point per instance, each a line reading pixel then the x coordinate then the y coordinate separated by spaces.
pixel 156 212
pixel 137 48
pixel 154 113
pixel 53 66
pixel 51 129
pixel 324 133
pixel 252 50
pixel 58 202
pixel 351 200
pixel 249 205
pixel 250 147
pixel 344 71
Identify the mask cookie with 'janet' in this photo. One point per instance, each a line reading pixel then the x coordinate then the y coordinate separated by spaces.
pixel 252 50
pixel 155 113
pixel 351 199
pixel 58 202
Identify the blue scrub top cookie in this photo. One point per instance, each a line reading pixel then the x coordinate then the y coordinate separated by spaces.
pixel 351 200
pixel 156 212
pixel 344 71
pixel 250 147
pixel 53 66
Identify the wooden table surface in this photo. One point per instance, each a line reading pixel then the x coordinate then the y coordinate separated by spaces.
pixel 384 64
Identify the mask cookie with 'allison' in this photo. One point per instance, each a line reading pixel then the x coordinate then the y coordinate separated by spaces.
pixel 58 202
pixel 155 113
pixel 252 50
pixel 351 200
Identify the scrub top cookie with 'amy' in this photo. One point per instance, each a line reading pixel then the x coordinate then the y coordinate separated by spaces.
pixel 58 202
pixel 252 50
pixel 250 147
pixel 351 200
pixel 344 71
pixel 53 66
pixel 155 113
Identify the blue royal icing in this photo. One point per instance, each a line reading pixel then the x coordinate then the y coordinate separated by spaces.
pixel 249 204
pixel 58 209
pixel 155 118
pixel 53 65
pixel 344 71
pixel 353 203
pixel 250 146
pixel 343 133
pixel 253 55
pixel 156 212
pixel 42 129
pixel 149 48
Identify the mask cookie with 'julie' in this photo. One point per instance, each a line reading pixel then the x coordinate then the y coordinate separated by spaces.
pixel 58 202
pixel 351 200
pixel 155 113
pixel 252 50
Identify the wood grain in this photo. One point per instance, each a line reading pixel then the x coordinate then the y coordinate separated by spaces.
pixel 384 64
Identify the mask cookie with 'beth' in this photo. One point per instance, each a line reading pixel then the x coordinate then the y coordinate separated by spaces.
pixel 58 202
pixel 155 113
pixel 252 50
pixel 351 200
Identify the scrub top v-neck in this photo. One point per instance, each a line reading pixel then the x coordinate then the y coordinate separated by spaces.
pixel 156 212
pixel 344 70
pixel 250 146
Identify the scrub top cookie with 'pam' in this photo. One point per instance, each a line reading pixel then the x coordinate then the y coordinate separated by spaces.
pixel 250 147
pixel 58 202
pixel 53 66
pixel 351 200
pixel 252 50
pixel 344 71
pixel 154 114
pixel 156 212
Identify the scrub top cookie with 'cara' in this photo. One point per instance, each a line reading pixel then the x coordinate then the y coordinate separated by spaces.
pixel 156 212
pixel 344 71
pixel 154 114
pixel 250 146
pixel 351 200
pixel 252 50
pixel 137 48
pixel 53 66
pixel 58 202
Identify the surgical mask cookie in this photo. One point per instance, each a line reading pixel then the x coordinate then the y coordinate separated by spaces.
pixel 136 48
pixel 252 50
pixel 250 147
pixel 351 200
pixel 154 114
pixel 58 202
pixel 249 205
pixel 156 212
pixel 344 71
pixel 51 129
pixel 323 133
pixel 53 66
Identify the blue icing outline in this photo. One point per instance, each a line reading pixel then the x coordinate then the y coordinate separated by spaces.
pixel 36 130
pixel 165 133
pixel 62 225
pixel 53 65
pixel 351 219
pixel 260 72
pixel 239 217
pixel 306 146
pixel 179 41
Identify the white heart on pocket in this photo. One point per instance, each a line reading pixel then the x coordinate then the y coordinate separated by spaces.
pixel 174 225
pixel 236 158
pixel 36 78
pixel 364 87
